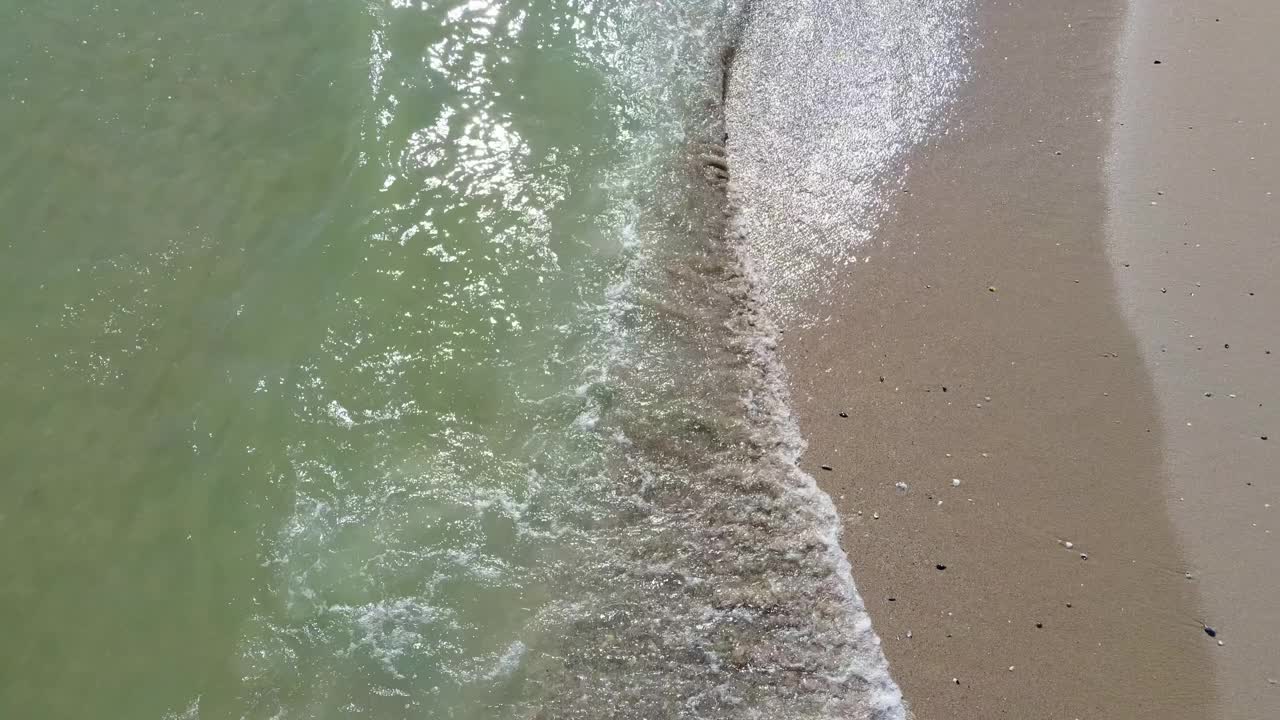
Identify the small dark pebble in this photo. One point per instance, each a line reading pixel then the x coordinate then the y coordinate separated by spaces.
pixel 1226 346
pixel 844 414
pixel 1156 62
pixel 893 599
pixel 940 566
pixel 1041 625
pixel 1068 604
pixel 881 378
pixel 944 387
pixel 826 467
pixel 1210 631
pixel 1264 437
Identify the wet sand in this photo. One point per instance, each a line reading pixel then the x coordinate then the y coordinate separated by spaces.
pixel 986 341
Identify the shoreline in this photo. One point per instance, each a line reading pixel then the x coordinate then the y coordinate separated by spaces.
pixel 985 341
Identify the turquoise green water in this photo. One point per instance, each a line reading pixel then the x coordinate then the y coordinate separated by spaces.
pixel 290 288
pixel 380 359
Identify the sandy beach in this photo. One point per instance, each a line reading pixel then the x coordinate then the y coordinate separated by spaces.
pixel 1058 348
pixel 1194 165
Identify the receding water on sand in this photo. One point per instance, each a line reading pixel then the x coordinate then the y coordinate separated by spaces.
pixel 831 98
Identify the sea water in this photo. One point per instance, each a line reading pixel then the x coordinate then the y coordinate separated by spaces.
pixel 398 359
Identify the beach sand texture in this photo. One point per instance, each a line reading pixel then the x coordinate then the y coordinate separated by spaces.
pixel 998 338
pixel 1195 240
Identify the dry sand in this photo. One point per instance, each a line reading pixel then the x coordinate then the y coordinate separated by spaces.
pixel 986 341
pixel 1195 230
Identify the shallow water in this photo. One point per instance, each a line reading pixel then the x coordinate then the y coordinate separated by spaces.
pixel 396 360
pixel 831 99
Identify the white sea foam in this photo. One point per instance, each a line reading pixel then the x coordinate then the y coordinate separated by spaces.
pixel 883 697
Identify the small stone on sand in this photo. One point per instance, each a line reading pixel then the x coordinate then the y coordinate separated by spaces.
pixel 955 482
